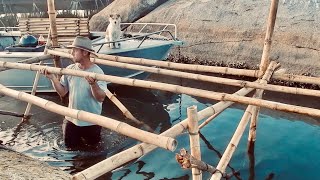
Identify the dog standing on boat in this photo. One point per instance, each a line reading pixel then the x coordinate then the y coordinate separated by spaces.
pixel 113 31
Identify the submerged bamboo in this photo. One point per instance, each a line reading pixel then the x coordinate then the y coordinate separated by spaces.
pixel 194 139
pixel 125 111
pixel 120 127
pixel 221 167
pixel 170 88
pixel 231 82
pixel 265 60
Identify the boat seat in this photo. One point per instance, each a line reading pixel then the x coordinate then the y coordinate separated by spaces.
pixel 67 28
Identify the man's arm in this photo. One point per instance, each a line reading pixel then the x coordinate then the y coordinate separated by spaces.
pixel 61 90
pixel 97 92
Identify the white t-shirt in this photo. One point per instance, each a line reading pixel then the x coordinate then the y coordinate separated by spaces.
pixel 80 95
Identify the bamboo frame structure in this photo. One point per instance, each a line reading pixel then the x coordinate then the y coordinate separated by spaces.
pixel 144 148
pixel 170 88
pixel 194 139
pixel 112 124
pixel 221 167
pixel 231 82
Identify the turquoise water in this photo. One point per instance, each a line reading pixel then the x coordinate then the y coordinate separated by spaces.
pixel 285 149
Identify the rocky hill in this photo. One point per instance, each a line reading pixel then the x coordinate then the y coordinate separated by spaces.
pixel 234 30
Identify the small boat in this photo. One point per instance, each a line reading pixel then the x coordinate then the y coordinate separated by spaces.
pixel 139 44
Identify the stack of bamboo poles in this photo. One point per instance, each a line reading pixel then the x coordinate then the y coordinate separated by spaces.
pixel 67 28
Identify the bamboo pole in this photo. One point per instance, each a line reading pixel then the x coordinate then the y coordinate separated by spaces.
pixel 221 167
pixel 126 112
pixel 120 127
pixel 297 78
pixel 272 67
pixel 26 115
pixel 202 68
pixel 143 148
pixel 231 82
pixel 194 139
pixel 171 88
pixel 31 60
pixel 265 60
pixel 53 30
pixel 172 65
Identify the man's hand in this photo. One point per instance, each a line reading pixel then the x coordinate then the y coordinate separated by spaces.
pixel 47 74
pixel 90 80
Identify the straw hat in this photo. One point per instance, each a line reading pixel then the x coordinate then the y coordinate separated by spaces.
pixel 83 43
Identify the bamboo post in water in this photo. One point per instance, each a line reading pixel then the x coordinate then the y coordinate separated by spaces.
pixel 221 167
pixel 126 112
pixel 265 59
pixel 232 82
pixel 53 30
pixel 120 127
pixel 33 92
pixel 194 139
pixel 170 88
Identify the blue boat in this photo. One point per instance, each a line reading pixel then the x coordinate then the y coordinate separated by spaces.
pixel 148 45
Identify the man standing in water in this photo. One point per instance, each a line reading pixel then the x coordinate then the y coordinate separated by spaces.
pixel 85 94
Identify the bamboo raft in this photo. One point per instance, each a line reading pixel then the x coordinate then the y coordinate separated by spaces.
pixel 151 141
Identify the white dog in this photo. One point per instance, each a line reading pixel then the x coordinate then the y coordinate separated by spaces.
pixel 113 31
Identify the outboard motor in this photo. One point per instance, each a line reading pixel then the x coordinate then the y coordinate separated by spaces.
pixel 28 40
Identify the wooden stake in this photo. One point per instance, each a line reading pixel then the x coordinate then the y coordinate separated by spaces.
pixel 200 77
pixel 194 139
pixel 33 92
pixel 265 60
pixel 120 127
pixel 170 88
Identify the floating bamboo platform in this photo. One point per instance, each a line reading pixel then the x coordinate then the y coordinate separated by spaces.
pixel 60 27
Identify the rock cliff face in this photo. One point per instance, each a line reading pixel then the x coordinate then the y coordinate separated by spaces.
pixel 234 30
